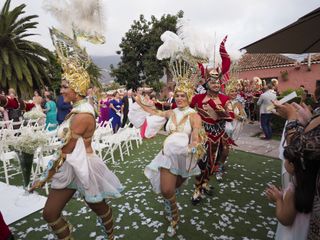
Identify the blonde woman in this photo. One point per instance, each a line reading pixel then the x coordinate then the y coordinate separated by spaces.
pixel 177 161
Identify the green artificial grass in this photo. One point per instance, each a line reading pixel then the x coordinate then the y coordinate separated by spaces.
pixel 238 209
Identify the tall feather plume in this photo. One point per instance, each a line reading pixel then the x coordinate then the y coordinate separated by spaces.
pixel 199 43
pixel 172 44
pixel 81 17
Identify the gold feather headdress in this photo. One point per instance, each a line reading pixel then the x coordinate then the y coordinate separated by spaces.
pixel 232 85
pixel 74 62
pixel 182 64
pixel 182 70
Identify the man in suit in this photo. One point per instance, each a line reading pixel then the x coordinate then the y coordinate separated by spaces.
pixel 63 109
pixel 127 101
pixel 169 102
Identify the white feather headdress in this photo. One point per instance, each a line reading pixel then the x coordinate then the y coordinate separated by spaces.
pixel 84 18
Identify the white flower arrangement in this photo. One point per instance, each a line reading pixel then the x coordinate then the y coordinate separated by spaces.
pixel 28 141
pixel 34 114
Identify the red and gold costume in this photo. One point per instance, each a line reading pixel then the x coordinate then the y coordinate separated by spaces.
pixel 215 130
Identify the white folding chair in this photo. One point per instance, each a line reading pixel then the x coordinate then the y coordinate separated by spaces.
pixel 5 157
pixel 135 135
pixel 125 140
pixel 33 122
pixel 42 157
pixel 102 144
pixel 6 124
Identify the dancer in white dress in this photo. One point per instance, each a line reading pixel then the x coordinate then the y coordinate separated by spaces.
pixel 240 115
pixel 178 158
pixel 77 167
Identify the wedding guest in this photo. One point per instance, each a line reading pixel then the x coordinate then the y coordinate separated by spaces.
pixel 63 108
pixel 104 114
pixel 264 101
pixel 51 113
pixel 116 109
pixel 128 100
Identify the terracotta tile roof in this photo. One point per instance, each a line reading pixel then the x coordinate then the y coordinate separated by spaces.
pixel 314 58
pixel 260 61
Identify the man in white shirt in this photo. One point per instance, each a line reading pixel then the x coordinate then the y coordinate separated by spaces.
pixel 264 101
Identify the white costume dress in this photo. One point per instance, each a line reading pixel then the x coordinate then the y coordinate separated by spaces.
pixel 299 229
pixel 175 155
pixel 236 124
pixel 83 171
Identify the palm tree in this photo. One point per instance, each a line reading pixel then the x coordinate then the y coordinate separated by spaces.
pixel 23 63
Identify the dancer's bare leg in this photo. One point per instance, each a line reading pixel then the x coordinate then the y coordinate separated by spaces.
pixel 56 201
pixel 168 183
pixel 180 181
pixel 104 212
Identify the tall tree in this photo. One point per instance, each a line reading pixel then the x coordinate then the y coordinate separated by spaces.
pixel 23 63
pixel 138 65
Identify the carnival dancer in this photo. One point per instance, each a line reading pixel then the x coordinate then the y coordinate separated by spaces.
pixel 232 128
pixel 237 107
pixel 181 150
pixel 214 109
pixel 77 167
pixel 178 159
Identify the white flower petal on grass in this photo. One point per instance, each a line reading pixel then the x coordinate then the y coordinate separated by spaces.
pixel 270 234
pixel 100 237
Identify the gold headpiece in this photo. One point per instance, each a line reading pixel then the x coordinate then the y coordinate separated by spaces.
pixel 232 85
pixel 74 62
pixel 76 76
pixel 181 69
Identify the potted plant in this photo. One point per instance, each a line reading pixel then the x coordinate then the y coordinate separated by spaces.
pixel 284 75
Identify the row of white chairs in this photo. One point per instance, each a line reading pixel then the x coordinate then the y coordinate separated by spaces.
pixel 105 143
pixel 8 130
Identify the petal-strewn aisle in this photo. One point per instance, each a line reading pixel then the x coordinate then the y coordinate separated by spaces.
pixel 237 211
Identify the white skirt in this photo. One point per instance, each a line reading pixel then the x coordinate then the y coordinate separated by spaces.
pixel 88 174
pixel 175 158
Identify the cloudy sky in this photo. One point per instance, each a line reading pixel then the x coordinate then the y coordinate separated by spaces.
pixel 244 21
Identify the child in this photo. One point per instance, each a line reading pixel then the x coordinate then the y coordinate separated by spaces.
pixel 294 204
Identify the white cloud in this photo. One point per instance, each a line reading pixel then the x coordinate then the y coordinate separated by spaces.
pixel 244 21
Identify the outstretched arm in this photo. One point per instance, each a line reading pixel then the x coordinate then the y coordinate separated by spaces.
pixel 152 111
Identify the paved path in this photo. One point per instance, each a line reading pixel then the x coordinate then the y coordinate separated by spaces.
pixel 248 143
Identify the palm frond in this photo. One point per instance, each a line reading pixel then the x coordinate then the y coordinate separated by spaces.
pixel 15 62
pixel 5 56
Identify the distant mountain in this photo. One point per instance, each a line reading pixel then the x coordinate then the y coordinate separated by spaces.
pixel 104 63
